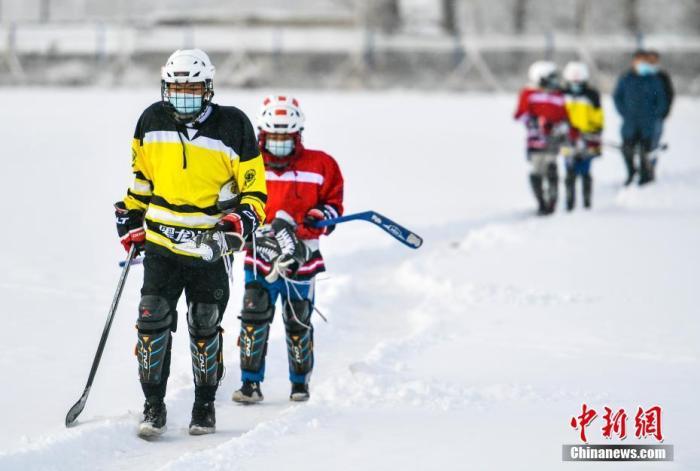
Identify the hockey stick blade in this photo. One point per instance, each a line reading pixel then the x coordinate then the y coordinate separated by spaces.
pixel 397 231
pixel 77 408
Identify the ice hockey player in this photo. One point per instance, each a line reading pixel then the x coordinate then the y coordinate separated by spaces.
pixel 642 102
pixel 304 186
pixel 184 150
pixel 541 108
pixel 586 120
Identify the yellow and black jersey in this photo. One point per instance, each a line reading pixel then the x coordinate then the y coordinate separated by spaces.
pixel 179 171
pixel 584 110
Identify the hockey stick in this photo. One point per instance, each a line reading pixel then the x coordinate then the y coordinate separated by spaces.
pixel 397 231
pixel 78 407
pixel 616 145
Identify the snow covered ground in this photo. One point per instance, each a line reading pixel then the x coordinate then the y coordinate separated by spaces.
pixel 472 353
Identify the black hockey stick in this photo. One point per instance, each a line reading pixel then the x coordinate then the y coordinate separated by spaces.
pixel 78 407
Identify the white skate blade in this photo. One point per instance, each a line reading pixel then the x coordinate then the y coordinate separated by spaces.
pixel 299 397
pixel 199 430
pixel 243 399
pixel 147 430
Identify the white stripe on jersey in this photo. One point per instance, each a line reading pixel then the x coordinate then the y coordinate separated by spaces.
pixel 290 176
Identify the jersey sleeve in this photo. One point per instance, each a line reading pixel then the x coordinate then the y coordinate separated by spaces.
pixel 331 193
pixel 597 118
pixel 249 171
pixel 521 110
pixel 139 195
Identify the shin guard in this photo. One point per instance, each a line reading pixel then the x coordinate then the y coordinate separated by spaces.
pixel 300 339
pixel 153 345
pixel 256 316
pixel 205 343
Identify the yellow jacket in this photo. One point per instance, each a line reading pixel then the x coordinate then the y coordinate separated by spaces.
pixel 179 171
pixel 585 113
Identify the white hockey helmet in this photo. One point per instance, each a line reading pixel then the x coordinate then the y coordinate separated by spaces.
pixel 576 72
pixel 186 66
pixel 542 73
pixel 280 114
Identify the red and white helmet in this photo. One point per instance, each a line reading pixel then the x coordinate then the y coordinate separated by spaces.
pixel 280 114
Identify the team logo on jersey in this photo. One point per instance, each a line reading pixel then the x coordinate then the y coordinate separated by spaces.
pixel 249 178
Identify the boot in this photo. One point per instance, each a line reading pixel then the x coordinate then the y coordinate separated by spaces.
pixel 628 154
pixel 552 187
pixel 154 418
pixel 587 191
pixel 645 170
pixel 570 183
pixel 249 393
pixel 536 183
pixel 300 392
pixel 203 418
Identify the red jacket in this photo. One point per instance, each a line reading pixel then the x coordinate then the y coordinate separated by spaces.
pixel 311 179
pixel 540 110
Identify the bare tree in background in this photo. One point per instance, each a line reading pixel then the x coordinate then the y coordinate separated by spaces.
pixel 581 17
pixel 520 16
pixel 384 15
pixel 449 16
pixel 632 16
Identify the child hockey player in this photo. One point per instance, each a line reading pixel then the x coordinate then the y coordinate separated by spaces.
pixel 586 118
pixel 184 150
pixel 304 186
pixel 541 108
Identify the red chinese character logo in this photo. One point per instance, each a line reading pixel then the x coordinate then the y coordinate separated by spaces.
pixel 648 423
pixel 615 423
pixel 583 421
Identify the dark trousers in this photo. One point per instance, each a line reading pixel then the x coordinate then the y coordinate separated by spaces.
pixel 168 276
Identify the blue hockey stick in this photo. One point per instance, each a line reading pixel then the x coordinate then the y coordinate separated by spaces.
pixel 397 231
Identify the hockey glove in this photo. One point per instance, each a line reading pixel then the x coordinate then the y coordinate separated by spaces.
pixel 314 215
pixel 242 221
pixel 130 226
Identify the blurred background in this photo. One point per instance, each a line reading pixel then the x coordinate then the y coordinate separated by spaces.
pixel 348 44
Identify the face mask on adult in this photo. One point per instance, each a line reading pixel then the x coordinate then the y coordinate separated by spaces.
pixel 645 68
pixel 280 148
pixel 186 103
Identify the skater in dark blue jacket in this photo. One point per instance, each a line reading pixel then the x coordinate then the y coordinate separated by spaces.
pixel 642 101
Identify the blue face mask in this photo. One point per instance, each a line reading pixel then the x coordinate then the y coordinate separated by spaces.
pixel 576 87
pixel 279 148
pixel 644 68
pixel 185 103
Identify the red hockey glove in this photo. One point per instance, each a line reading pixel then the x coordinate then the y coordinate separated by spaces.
pixel 130 226
pixel 314 215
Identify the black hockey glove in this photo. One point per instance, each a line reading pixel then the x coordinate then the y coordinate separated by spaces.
pixel 130 227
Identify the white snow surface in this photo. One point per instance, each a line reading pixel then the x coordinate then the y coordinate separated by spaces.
pixel 473 352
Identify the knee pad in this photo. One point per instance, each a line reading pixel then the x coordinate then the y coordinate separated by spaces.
pixel 300 332
pixel 155 314
pixel 203 319
pixel 207 359
pixel 297 315
pixel 256 316
pixel 153 345
pixel 257 307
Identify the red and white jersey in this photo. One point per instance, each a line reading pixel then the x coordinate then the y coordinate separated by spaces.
pixel 541 111
pixel 311 179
